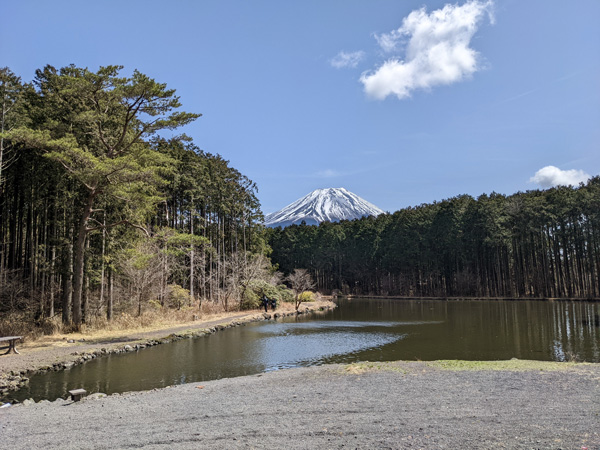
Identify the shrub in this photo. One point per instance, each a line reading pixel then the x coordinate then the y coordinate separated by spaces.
pixel 251 299
pixel 306 296
pixel 155 304
pixel 178 296
pixel 285 294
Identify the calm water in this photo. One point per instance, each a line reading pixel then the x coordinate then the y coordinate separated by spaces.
pixel 358 330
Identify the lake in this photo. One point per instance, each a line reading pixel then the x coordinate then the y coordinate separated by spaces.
pixel 358 330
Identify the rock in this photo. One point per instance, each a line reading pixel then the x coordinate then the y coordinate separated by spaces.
pixel 28 402
pixel 95 396
pixel 68 365
pixel 71 341
pixel 127 348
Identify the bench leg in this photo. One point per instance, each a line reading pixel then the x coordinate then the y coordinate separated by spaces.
pixel 12 348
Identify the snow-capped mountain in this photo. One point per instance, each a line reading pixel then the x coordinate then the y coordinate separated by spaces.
pixel 332 204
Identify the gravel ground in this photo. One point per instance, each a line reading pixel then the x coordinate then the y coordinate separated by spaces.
pixel 383 405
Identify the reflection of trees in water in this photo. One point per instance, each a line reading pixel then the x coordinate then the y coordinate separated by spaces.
pixel 358 330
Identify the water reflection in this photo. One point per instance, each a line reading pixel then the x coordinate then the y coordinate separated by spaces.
pixel 282 351
pixel 359 330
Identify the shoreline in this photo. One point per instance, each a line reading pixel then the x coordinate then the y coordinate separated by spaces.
pixel 461 298
pixel 40 357
pixel 513 404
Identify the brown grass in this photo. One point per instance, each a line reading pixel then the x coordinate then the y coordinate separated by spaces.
pixel 123 324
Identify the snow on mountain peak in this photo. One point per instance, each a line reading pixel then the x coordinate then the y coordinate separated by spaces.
pixel 331 204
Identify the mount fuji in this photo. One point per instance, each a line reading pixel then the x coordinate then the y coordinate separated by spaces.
pixel 332 205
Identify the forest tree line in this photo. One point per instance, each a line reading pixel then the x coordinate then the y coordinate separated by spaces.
pixel 534 244
pixel 100 212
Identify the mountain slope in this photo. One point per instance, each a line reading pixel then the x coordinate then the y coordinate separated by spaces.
pixel 332 204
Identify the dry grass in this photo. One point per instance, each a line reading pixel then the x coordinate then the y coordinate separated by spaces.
pixel 22 324
pixel 513 365
pixel 124 324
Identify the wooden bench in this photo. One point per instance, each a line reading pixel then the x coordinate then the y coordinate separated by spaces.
pixel 11 343
pixel 76 394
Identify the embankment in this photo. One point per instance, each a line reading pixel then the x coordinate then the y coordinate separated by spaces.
pixel 40 357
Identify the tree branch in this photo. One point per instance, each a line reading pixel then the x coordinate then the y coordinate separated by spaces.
pixel 120 222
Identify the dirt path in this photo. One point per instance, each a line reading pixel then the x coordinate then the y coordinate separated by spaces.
pixel 50 351
pixel 401 405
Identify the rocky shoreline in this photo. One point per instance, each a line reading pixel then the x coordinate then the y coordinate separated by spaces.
pixel 13 380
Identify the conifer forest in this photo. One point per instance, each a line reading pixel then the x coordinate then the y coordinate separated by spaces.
pixel 105 208
pixel 534 244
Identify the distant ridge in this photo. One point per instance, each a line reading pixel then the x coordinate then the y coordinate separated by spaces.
pixel 323 205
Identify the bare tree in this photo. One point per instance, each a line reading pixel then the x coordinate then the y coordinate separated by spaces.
pixel 142 269
pixel 300 281
pixel 252 268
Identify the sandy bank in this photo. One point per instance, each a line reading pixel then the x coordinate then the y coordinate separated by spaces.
pixel 515 405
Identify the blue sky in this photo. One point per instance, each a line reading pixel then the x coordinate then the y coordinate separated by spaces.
pixel 401 102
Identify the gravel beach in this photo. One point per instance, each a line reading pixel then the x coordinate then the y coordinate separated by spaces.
pixel 453 405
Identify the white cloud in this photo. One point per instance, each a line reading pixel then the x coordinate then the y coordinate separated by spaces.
pixel 552 176
pixel 345 59
pixel 436 48
pixel 389 41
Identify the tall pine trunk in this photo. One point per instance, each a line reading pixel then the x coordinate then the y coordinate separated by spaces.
pixel 79 259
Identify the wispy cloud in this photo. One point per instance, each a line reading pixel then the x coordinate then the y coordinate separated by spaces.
pixel 553 176
pixel 544 86
pixel 328 173
pixel 436 48
pixel 347 59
